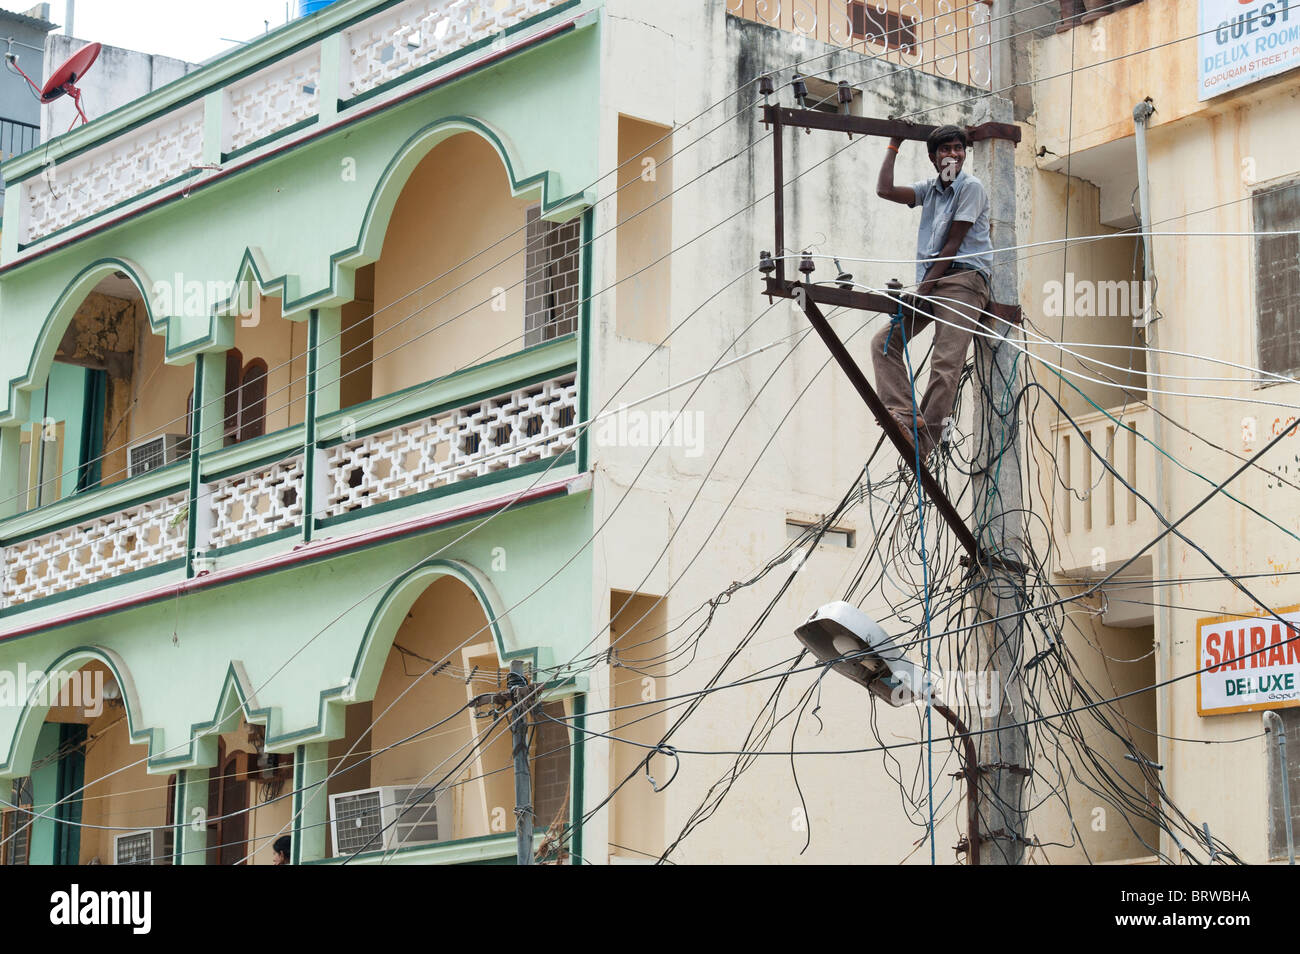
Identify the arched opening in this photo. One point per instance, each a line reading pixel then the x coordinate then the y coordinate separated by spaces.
pixel 427 764
pixel 248 798
pixel 467 273
pixel 88 797
pixel 110 406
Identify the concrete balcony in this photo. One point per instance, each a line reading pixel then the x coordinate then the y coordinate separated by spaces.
pixel 386 460
pixel 1099 521
pixel 951 40
pixel 304 80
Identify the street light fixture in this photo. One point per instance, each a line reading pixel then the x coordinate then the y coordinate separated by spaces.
pixel 854 645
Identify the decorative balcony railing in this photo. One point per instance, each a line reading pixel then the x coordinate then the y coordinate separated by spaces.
pixel 385 47
pixel 139 537
pixel 948 38
pixel 127 166
pixel 260 102
pixel 255 504
pixel 525 425
pixel 446 436
pixel 1099 520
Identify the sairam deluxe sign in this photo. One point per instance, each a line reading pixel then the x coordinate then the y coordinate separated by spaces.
pixel 1248 663
pixel 1242 41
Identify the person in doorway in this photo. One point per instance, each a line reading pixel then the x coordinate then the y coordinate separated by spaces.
pixel 954 253
pixel 280 850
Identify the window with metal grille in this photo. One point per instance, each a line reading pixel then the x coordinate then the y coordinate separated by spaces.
pixel 16 824
pixel 1277 278
pixel 895 31
pixel 550 278
pixel 1276 815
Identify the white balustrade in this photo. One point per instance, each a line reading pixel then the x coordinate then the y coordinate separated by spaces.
pixel 124 167
pixel 517 427
pixel 132 539
pixel 272 99
pixel 411 34
pixel 255 504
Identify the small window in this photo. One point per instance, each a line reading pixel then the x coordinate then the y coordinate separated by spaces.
pixel 1277 278
pixel 40 463
pixel 833 537
pixel 550 277
pixel 16 825
pixel 882 27
pixel 245 398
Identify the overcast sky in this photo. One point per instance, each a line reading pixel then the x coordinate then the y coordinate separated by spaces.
pixel 186 29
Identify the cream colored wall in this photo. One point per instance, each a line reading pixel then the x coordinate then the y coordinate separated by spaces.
pixel 282 345
pixel 1055 200
pixel 1205 159
pixel 446 615
pixel 127 800
pixel 646 228
pixel 1207 295
pixel 637 813
pixel 1117 62
pixel 159 394
pixel 941 28
pixel 456 203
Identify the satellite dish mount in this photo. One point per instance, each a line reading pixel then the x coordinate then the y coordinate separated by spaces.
pixel 63 81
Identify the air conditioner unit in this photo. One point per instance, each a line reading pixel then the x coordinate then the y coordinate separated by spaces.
pixel 156 452
pixel 389 817
pixel 145 847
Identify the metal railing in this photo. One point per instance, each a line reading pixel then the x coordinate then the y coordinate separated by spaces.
pixel 17 137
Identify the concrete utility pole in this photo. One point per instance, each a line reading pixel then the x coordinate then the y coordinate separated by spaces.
pixel 523 697
pixel 999 527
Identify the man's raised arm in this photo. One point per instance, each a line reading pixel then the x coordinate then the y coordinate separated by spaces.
pixel 885 187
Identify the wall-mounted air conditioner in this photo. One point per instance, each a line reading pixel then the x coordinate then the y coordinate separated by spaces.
pixel 389 817
pixel 156 452
pixel 145 847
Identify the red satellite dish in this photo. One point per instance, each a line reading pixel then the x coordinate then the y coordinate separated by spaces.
pixel 64 80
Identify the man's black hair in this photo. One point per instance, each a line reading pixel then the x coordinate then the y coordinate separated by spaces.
pixel 946 134
pixel 282 845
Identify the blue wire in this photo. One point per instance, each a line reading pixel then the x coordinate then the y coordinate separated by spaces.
pixel 925 573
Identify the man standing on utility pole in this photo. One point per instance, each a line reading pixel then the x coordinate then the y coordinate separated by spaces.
pixel 954 266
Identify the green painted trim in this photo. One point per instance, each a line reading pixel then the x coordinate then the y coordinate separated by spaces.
pixel 451 404
pixel 499 846
pixel 309 422
pixel 309 560
pixel 483 480
pixel 270 138
pixel 178 816
pixel 299 770
pixel 74 519
pixel 162 186
pixel 577 785
pixel 584 326
pixel 132 577
pixel 434 65
pixel 84 276
pixel 257 542
pixel 278 286
pixel 71 769
pixel 245 462
pixel 196 452
pixel 532 356
pixel 233 686
pixel 121 675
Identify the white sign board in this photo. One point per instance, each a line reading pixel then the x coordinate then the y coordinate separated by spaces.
pixel 1242 41
pixel 1248 662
